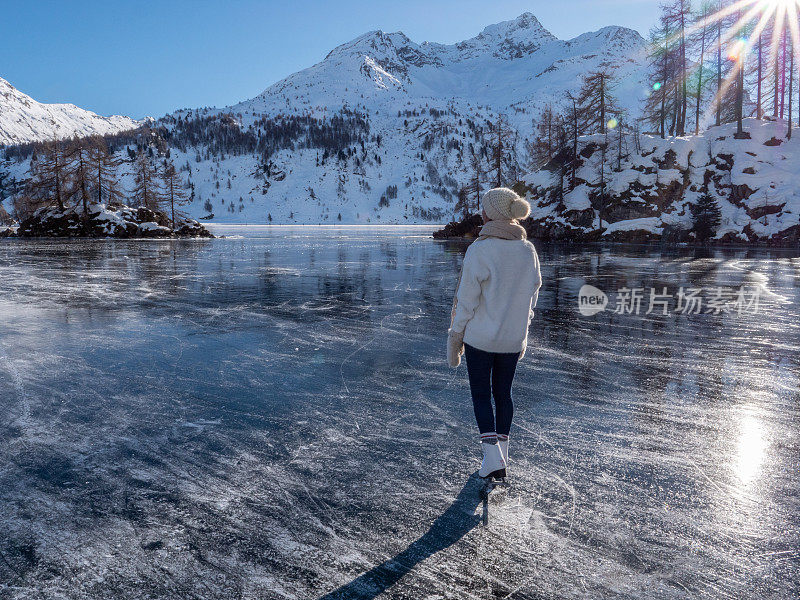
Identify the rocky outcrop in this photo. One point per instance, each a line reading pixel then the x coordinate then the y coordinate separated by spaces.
pixel 466 228
pixel 112 220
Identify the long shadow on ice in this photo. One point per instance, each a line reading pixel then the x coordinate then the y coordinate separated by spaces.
pixel 445 531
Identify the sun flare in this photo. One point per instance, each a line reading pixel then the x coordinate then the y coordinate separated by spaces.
pixel 745 22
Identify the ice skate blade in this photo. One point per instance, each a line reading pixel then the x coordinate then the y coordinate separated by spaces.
pixel 498 474
pixel 494 481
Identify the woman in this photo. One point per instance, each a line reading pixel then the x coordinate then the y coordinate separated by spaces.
pixel 494 302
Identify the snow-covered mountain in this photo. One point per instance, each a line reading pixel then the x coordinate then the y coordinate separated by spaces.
pixel 383 129
pixel 514 63
pixel 23 119
pixel 426 106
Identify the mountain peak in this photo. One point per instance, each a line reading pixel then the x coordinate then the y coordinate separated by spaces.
pixel 524 25
pixel 506 40
pixel 509 39
pixel 612 37
pixel 370 42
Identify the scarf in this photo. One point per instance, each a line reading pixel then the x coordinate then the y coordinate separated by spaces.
pixel 504 230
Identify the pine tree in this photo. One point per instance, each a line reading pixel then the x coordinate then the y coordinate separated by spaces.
pixel 462 206
pixel 706 217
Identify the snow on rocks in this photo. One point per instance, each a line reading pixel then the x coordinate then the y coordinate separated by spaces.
pixel 112 220
pixel 649 197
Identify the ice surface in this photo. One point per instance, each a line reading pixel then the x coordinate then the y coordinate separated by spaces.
pixel 270 416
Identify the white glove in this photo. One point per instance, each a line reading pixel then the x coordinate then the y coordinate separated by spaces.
pixel 455 348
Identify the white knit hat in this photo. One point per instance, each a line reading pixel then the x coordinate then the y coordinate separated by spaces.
pixel 503 204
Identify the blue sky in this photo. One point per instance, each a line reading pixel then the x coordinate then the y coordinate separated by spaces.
pixel 149 58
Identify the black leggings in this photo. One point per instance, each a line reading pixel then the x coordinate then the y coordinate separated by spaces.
pixel 491 373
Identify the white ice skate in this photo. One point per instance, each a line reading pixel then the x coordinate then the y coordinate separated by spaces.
pixel 503 443
pixel 493 464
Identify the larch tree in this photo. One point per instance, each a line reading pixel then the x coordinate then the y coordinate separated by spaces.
pixel 544 145
pixel 595 100
pixel 104 167
pixel 79 162
pixel 48 183
pixel 661 67
pixel 571 122
pixel 173 191
pixel 791 86
pixel 146 192
pixel 477 178
pixel 739 57
pixel 676 17
pixel 501 137
pixel 700 40
pixel 756 71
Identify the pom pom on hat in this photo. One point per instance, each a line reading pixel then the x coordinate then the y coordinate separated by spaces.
pixel 503 204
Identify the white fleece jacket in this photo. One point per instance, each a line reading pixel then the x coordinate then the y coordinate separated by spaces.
pixel 499 286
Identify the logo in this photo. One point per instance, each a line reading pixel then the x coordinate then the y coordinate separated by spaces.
pixel 663 301
pixel 591 300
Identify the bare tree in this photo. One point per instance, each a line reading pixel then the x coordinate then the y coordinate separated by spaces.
pixel 675 17
pixel 546 129
pixel 701 42
pixel 719 64
pixel 791 85
pixel 602 183
pixel 49 177
pixel 621 143
pixel 104 167
pixel 595 100
pixel 173 192
pixel 661 68
pixel 78 161
pixel 477 179
pixel 501 137
pixel 572 133
pixel 146 192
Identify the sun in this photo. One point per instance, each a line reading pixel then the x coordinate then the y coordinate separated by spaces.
pixel 745 22
pixel 780 4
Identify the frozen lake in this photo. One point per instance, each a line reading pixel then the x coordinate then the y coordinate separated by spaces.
pixel 270 416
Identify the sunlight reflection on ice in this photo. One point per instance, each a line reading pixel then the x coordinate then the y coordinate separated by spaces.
pixel 751 448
